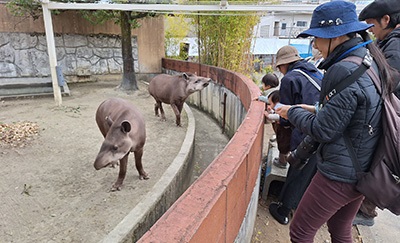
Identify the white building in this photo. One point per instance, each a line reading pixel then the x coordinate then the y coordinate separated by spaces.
pixel 277 29
pixel 290 24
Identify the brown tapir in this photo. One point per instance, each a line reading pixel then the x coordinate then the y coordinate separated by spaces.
pixel 174 90
pixel 123 128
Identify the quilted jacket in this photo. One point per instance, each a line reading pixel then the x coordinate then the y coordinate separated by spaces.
pixel 355 111
pixel 390 47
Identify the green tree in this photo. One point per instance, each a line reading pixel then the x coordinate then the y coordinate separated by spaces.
pixel 176 29
pixel 225 40
pixel 126 19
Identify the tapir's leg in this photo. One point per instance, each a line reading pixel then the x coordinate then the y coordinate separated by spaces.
pixel 180 106
pixel 162 112
pixel 156 107
pixel 139 166
pixel 177 114
pixel 122 173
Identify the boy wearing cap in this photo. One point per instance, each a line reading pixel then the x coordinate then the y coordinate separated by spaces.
pixel 385 16
pixel 295 88
pixel 331 196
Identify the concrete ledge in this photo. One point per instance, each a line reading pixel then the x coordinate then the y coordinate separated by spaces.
pixel 272 173
pixel 27 87
pixel 164 193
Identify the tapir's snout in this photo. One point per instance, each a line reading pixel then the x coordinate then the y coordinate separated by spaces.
pixel 101 163
pixel 97 166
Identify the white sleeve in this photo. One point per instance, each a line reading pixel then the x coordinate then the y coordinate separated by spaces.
pixel 273 117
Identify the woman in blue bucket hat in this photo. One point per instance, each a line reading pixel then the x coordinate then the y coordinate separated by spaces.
pixel 355 111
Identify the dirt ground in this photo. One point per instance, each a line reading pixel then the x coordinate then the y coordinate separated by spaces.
pixel 267 229
pixel 50 191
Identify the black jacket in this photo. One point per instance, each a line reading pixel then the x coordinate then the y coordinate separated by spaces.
pixel 295 89
pixel 390 47
pixel 349 112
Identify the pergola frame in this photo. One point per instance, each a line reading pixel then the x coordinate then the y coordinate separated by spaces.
pixel 47 6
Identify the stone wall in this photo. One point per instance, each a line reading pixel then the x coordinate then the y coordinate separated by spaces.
pixel 79 56
pixel 84 51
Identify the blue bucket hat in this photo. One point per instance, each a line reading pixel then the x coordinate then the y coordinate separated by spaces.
pixel 334 19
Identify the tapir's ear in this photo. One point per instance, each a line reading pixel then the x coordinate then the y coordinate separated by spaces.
pixel 109 121
pixel 185 76
pixel 125 127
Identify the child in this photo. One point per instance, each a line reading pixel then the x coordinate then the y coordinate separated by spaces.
pixel 273 101
pixel 269 82
pixel 283 134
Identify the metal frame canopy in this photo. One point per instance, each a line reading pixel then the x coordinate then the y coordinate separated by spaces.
pixel 222 7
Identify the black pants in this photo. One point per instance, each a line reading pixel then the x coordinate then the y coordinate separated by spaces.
pixel 296 183
pixel 283 136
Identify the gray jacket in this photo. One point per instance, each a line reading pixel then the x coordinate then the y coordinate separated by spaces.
pixel 390 47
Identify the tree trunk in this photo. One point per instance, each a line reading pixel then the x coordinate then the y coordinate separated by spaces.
pixel 129 78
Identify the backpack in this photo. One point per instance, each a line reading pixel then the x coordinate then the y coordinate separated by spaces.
pixel 381 184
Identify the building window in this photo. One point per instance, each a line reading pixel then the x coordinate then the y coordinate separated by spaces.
pixel 264 31
pixel 284 26
pixel 301 24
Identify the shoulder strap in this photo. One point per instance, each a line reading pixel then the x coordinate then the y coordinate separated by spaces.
pixel 316 85
pixel 366 64
pixel 375 78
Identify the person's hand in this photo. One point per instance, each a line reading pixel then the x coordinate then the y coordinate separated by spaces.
pixel 283 110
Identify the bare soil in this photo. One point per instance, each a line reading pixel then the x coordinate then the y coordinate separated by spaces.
pixel 50 191
pixel 267 229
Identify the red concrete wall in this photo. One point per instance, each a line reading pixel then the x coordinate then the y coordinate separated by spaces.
pixel 213 208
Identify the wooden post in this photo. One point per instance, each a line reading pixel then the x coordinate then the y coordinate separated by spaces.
pixel 51 50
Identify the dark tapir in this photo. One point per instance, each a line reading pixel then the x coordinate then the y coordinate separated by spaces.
pixel 174 90
pixel 123 128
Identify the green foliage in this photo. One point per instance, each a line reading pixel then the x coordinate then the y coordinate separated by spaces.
pixel 33 8
pixel 268 69
pixel 176 29
pixel 225 40
pixel 101 16
pixel 25 8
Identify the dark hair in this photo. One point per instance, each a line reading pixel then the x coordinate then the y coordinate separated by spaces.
pixel 387 73
pixel 271 80
pixel 274 95
pixel 394 20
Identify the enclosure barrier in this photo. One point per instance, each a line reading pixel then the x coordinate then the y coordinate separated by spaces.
pixel 221 205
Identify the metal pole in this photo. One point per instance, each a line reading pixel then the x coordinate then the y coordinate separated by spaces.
pixel 51 49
